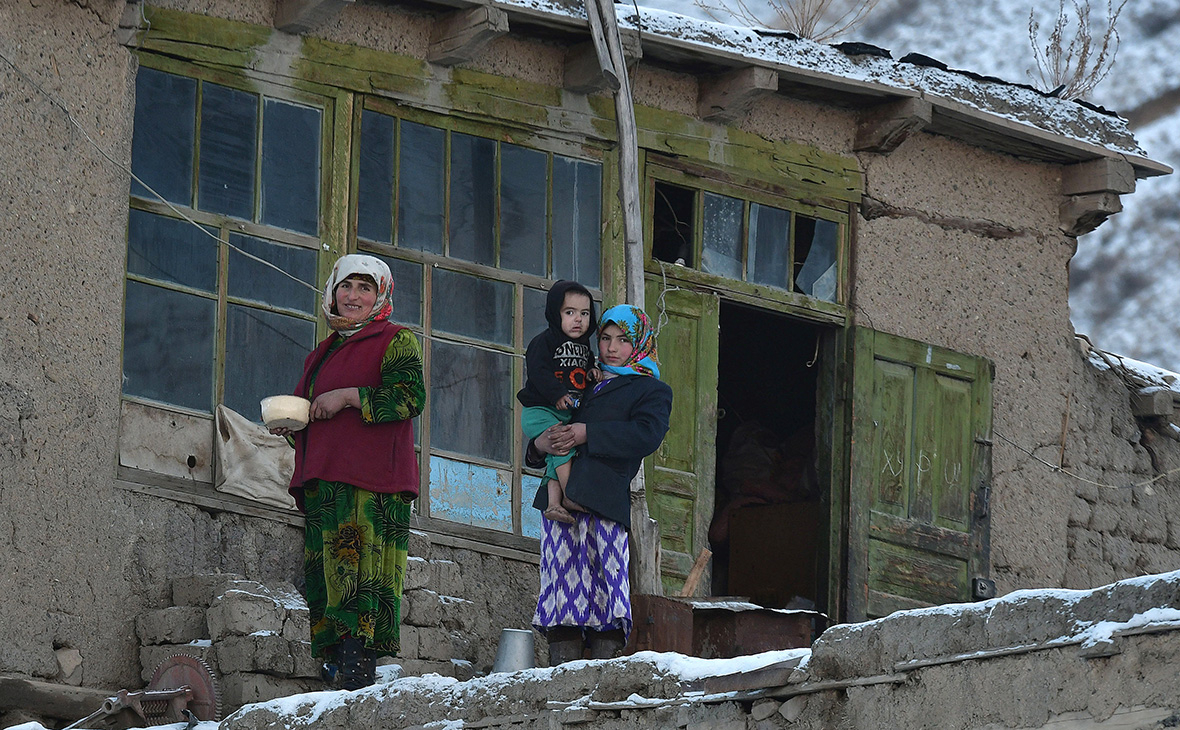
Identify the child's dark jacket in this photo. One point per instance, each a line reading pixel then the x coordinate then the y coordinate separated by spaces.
pixel 555 364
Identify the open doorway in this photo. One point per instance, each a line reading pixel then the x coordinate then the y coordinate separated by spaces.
pixel 767 529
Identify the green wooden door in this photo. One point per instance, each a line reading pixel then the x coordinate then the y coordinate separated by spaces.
pixel 921 468
pixel 680 476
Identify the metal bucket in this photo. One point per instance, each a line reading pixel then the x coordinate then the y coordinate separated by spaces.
pixel 515 651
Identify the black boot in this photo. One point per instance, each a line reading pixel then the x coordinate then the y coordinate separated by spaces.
pixel 565 644
pixel 606 644
pixel 357 665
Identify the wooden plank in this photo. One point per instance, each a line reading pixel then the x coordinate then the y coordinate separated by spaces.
pixel 300 16
pixel 50 699
pixel 1104 175
pixel 730 96
pixel 1081 214
pixel 460 36
pixel 911 533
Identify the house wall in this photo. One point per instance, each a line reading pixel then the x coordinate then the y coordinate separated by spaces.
pixel 945 253
pixel 1124 517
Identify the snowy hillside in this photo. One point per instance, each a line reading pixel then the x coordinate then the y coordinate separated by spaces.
pixel 1125 278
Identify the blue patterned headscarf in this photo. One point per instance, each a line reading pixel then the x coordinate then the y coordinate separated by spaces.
pixel 638 329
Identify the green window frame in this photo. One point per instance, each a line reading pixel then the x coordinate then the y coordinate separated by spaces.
pixel 736 234
pixel 248 162
pixel 475 306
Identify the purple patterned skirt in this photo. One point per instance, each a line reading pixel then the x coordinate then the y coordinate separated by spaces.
pixel 584 575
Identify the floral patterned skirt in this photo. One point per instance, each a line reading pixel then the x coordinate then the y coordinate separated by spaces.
pixel 354 561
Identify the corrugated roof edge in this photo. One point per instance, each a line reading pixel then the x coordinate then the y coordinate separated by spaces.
pixel 1074 131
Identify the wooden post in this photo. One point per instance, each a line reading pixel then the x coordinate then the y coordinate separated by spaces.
pixel 604 27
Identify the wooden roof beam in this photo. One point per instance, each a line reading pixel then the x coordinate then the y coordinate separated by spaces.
pixel 583 71
pixel 1104 175
pixel 1083 213
pixel 884 127
pixel 730 96
pixel 460 36
pixel 300 16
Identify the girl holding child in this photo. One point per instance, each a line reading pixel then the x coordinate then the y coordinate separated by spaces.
pixel 585 591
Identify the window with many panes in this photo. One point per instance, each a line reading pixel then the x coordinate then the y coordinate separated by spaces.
pixel 474 222
pixel 231 177
pixel 747 234
pixel 474 226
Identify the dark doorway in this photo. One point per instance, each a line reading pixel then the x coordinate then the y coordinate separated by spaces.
pixel 766 530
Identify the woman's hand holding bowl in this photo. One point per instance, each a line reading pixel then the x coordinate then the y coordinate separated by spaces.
pixel 329 404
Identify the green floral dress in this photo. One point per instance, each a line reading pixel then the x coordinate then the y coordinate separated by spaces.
pixel 355 541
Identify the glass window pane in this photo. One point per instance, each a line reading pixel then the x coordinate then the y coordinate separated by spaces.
pixel 768 237
pixel 816 273
pixel 291 166
pixel 471 401
pixel 471 306
pixel 165 126
pixel 407 290
pixel 534 313
pixel 264 354
pixel 523 188
pixel 249 279
pixel 722 236
pixel 229 127
pixel 577 221
pixel 374 215
pixel 421 188
pixel 470 494
pixel 473 204
pixel 168 346
pixel 172 250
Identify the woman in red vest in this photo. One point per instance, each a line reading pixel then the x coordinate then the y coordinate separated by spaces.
pixel 356 473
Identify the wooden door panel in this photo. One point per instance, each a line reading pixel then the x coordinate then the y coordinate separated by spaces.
pixel 893 412
pixel 919 413
pixel 680 475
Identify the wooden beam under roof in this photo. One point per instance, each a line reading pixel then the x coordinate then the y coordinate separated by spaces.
pixel 883 128
pixel 300 16
pixel 1103 175
pixel 1083 213
pixel 730 96
pixel 460 36
pixel 584 73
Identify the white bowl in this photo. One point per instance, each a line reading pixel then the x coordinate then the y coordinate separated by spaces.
pixel 285 411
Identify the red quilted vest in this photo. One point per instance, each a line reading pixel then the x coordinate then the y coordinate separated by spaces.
pixel 378 457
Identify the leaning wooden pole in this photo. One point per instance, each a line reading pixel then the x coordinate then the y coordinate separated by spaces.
pixel 604 28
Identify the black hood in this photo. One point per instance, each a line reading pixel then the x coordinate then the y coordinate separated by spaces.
pixel 556 298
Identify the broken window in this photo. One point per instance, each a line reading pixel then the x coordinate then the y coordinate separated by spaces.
pixel 745 234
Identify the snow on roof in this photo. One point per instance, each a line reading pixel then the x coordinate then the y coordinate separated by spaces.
pixel 1144 376
pixel 874 73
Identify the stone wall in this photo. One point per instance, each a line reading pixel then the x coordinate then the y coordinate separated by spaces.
pixel 1034 659
pixel 1125 502
pixel 255 636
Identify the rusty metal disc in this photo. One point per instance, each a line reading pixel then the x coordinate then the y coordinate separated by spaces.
pixel 180 670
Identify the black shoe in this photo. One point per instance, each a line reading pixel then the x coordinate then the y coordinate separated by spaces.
pixel 565 644
pixel 606 644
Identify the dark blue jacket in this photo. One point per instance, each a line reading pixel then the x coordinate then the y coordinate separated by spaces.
pixel 625 421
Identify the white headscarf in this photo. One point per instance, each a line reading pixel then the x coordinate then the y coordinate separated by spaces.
pixel 351 265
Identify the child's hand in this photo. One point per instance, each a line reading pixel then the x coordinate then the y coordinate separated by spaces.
pixel 565 402
pixel 594 374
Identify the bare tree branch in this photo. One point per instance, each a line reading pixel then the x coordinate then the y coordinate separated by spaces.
pixel 1068 64
pixel 818 20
